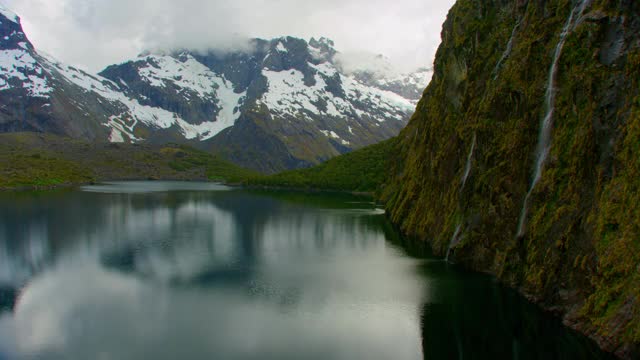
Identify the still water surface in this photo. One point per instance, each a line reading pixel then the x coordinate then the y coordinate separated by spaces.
pixel 165 270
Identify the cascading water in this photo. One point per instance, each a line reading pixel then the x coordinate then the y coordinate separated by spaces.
pixel 467 171
pixel 506 52
pixel 454 241
pixel 544 138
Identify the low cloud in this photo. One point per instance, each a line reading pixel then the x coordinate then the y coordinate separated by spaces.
pixel 365 61
pixel 96 33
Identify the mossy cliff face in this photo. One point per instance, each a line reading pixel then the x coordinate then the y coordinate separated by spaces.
pixel 468 157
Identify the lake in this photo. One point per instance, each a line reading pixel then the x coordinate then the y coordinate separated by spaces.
pixel 169 270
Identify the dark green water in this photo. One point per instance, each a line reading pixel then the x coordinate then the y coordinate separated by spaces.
pixel 199 271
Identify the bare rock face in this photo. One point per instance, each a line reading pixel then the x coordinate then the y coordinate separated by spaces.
pixel 507 74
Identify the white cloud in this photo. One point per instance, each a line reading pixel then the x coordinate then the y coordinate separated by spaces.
pixel 96 33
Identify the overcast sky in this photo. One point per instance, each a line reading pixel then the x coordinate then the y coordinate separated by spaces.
pixel 96 33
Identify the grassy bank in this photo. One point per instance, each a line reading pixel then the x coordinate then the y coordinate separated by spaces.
pixel 29 160
pixel 363 170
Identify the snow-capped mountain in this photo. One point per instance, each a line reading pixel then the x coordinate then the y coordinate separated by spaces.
pixel 38 93
pixel 284 104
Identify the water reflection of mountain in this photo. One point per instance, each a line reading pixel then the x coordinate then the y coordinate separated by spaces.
pixel 201 275
pixel 173 236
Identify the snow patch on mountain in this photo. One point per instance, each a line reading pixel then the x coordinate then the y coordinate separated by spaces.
pixel 19 69
pixel 332 134
pixel 289 95
pixel 123 125
pixel 229 103
pixel 281 48
pixel 325 68
pixel 189 75
pixel 119 128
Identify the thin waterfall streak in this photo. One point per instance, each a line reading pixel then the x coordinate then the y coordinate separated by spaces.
pixel 454 241
pixel 467 168
pixel 544 138
pixel 523 215
pixel 507 51
pixel 578 19
pixel 467 171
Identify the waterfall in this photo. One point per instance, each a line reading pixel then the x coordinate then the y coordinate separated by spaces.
pixel 507 51
pixel 467 170
pixel 454 241
pixel 544 137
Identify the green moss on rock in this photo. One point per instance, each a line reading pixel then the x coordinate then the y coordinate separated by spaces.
pixel 579 255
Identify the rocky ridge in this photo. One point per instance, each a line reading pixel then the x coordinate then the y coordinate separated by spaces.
pixel 283 104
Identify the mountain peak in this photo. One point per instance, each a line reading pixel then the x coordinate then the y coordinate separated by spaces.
pixel 321 42
pixel 322 49
pixel 8 14
pixel 12 37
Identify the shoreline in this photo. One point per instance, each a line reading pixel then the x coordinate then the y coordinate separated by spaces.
pixel 568 317
pixel 230 184
pixel 93 182
pixel 307 190
pixel 567 314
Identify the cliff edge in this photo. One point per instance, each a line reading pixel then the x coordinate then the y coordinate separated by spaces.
pixel 523 158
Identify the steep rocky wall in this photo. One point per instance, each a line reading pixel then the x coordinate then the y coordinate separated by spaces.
pixel 468 157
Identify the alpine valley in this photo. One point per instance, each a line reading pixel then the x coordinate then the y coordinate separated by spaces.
pixel 281 104
pixel 520 161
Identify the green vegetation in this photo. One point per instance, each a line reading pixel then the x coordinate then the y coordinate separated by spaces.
pixel 363 170
pixel 617 229
pixel 582 236
pixel 29 160
pixel 20 170
pixel 580 254
pixel 183 159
